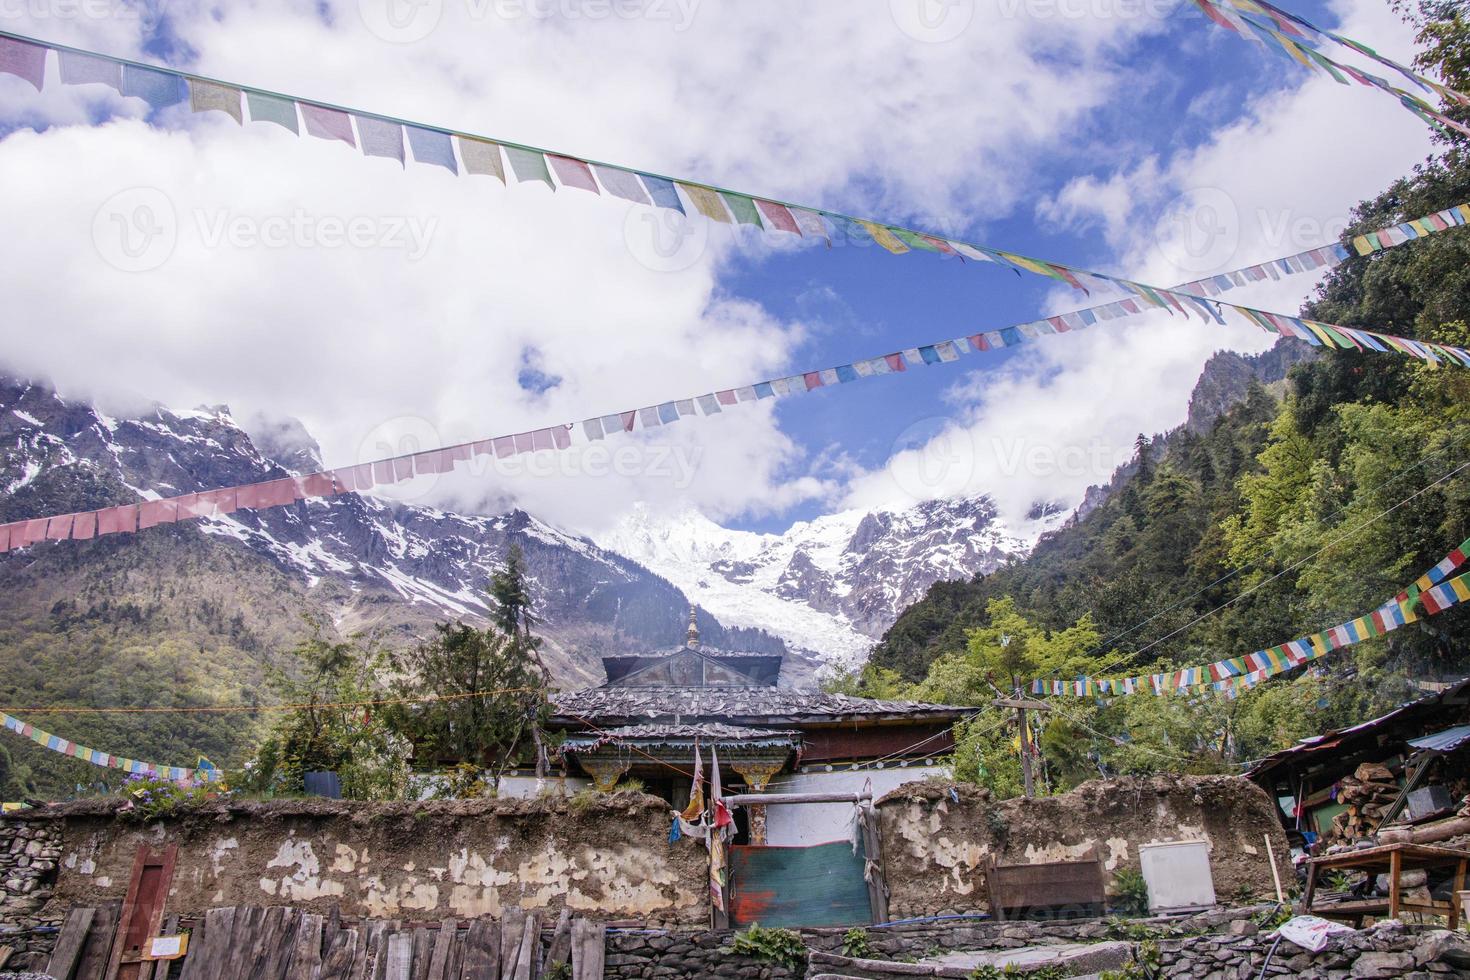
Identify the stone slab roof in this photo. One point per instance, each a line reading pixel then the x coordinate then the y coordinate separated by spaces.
pixel 764 705
pixel 707 733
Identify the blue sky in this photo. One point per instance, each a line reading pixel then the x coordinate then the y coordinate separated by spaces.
pixel 1106 140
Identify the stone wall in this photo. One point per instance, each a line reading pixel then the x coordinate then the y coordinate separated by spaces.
pixel 28 860
pixel 606 856
pixel 937 837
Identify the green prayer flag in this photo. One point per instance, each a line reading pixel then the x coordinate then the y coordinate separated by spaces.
pixel 529 165
pixel 270 108
pixel 915 241
pixel 743 208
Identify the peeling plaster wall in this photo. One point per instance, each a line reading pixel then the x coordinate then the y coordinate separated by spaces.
pixel 937 839
pixel 413 861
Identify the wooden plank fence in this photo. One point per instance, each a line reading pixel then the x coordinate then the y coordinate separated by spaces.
pixel 281 943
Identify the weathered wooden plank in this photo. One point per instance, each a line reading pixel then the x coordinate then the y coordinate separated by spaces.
pixel 398 964
pixel 588 942
pixel 279 961
pixel 360 964
pixel 392 928
pixel 339 961
pixel 560 950
pixel 266 939
pixel 208 944
pixel 241 954
pixel 482 951
pixel 375 933
pixel 511 928
pixel 443 943
pixel 528 958
pixel 68 949
pixel 306 950
pixel 454 966
pixel 98 946
pixel 423 951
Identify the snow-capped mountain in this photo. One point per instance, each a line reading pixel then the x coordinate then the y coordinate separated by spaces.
pixel 833 584
pixel 355 562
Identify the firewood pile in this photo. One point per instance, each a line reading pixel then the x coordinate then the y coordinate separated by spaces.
pixel 1367 793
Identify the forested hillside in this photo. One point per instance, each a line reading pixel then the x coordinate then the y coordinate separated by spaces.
pixel 1293 511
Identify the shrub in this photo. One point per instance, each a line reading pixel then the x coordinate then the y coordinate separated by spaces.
pixel 777 945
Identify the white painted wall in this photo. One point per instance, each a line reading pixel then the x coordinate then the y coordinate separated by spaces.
pixel 803 824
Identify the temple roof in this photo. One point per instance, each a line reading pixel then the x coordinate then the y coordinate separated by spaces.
pixel 761 705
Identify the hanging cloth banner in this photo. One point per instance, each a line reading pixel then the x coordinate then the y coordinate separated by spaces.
pixel 1295 38
pixel 1433 589
pixel 287 490
pixel 205 773
pixel 378 135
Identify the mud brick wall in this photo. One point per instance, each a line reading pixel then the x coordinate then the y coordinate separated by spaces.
pixel 608 857
pixel 938 838
pixel 28 859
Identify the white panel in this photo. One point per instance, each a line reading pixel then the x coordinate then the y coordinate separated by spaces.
pixel 802 824
pixel 1178 874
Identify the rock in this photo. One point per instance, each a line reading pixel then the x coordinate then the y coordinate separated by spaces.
pixel 1244 927
pixel 1380 964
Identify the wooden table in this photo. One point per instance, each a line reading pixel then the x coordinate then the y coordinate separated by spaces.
pixel 1392 860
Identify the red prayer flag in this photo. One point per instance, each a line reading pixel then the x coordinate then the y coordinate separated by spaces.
pixel 278 492
pixel 33 531
pixel 455 454
pixel 505 446
pixel 483 447
pixel 59 528
pixel 813 379
pixel 224 501
pixel 572 173
pixel 432 462
pixel 561 436
pixel 628 419
pixel 978 341
pixel 383 472
pixel 777 215
pixel 402 468
pixel 896 362
pixel 327 124
pixel 541 439
pixel 525 442
pixel 84 528
pixel 726 397
pixel 315 485
pixel 1059 323
pixel 5 537
pixel 155 512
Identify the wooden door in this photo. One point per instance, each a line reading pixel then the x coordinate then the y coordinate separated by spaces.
pixel 142 913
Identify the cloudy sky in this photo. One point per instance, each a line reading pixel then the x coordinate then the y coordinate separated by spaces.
pixel 1130 136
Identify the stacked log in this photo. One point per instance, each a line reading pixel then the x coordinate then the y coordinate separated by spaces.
pixel 1367 793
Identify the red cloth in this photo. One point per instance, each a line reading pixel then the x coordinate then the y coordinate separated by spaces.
pixel 402 468
pixel 896 362
pixel 222 501
pixel 33 531
pixel 483 448
pixel 433 461
pixel 5 537
pixel 383 472
pixel 276 493
pixel 59 528
pixel 629 418
pixel 85 526
pixel 154 512
pixel 776 214
pixel 541 439
pixel 455 454
pixel 979 342
pixel 249 497
pixel 572 173
pixel 561 436
pixel 315 485
pixel 505 446
pixel 525 442
pixel 1059 323
pixel 110 520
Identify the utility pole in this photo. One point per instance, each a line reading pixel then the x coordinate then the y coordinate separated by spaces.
pixel 1023 705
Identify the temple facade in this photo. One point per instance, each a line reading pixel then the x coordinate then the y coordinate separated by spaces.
pixel 656 710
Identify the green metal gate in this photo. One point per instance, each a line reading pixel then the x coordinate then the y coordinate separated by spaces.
pixel 821 885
